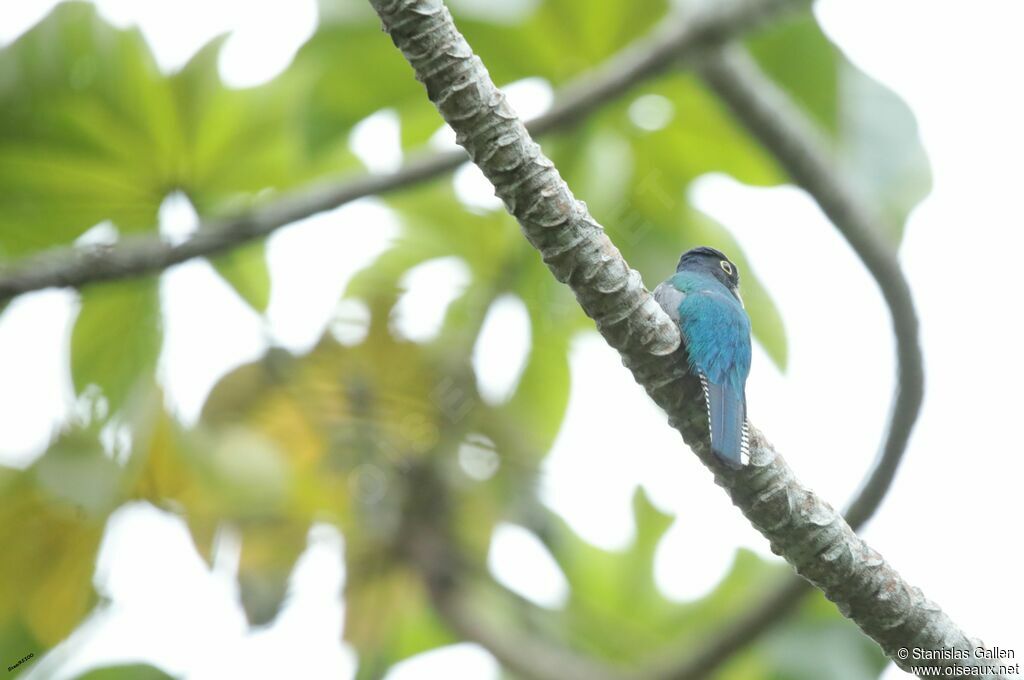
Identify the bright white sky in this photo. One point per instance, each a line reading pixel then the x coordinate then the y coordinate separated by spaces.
pixel 951 524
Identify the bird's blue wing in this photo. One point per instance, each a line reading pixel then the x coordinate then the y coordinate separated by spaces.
pixel 716 330
pixel 717 333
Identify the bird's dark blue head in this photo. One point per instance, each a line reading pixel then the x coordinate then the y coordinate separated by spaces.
pixel 713 263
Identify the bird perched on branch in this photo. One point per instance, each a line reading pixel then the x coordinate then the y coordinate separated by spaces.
pixel 703 298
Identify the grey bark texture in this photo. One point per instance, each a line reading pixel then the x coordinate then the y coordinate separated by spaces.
pixel 141 255
pixel 799 526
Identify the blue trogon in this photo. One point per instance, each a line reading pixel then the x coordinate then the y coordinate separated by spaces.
pixel 703 298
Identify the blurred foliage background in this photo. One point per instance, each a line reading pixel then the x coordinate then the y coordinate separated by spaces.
pixel 352 433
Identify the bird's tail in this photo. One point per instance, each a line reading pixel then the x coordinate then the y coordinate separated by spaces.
pixel 727 422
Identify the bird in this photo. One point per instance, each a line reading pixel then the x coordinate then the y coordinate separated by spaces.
pixel 703 299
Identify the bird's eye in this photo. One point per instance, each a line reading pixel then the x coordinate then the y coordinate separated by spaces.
pixel 726 267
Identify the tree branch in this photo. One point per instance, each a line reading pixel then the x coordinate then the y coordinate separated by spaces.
pixel 140 255
pixel 781 127
pixel 801 527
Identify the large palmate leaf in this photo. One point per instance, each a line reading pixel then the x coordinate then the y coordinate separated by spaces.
pixel 237 478
pixel 388 617
pixel 435 225
pixel 604 584
pixel 615 611
pixel 91 131
pixel 351 73
pixel 356 426
pixel 87 132
pixel 270 549
pixel 874 133
pixel 558 39
pixel 116 339
pixel 51 521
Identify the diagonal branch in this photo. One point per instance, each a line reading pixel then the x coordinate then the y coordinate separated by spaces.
pixel 779 124
pixel 801 527
pixel 140 255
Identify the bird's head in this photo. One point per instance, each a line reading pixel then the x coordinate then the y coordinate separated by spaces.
pixel 713 263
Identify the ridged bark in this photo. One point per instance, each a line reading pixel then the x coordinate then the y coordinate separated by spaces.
pixel 800 527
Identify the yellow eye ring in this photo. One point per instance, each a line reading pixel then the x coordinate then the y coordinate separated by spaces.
pixel 726 267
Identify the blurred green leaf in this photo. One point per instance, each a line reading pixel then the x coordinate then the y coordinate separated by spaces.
pixel 604 584
pixel 357 419
pixel 814 642
pixel 700 138
pixel 270 549
pixel 50 546
pixel 246 270
pixel 17 643
pixel 86 131
pixel 90 131
pixel 557 40
pixel 235 142
pixel 340 93
pixel 808 650
pixel 798 56
pixel 76 471
pixel 874 133
pixel 52 518
pixel 882 152
pixel 137 671
pixel 250 472
pixel 116 339
pixel 230 473
pixel 436 225
pixel 230 476
pixel 542 395
pixel 388 617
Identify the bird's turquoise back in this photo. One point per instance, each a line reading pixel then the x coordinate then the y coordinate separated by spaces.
pixel 716 330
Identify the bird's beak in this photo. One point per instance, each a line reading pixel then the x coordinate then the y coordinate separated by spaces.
pixel 739 297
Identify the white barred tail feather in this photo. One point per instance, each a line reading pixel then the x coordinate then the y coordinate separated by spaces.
pixel 727 423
